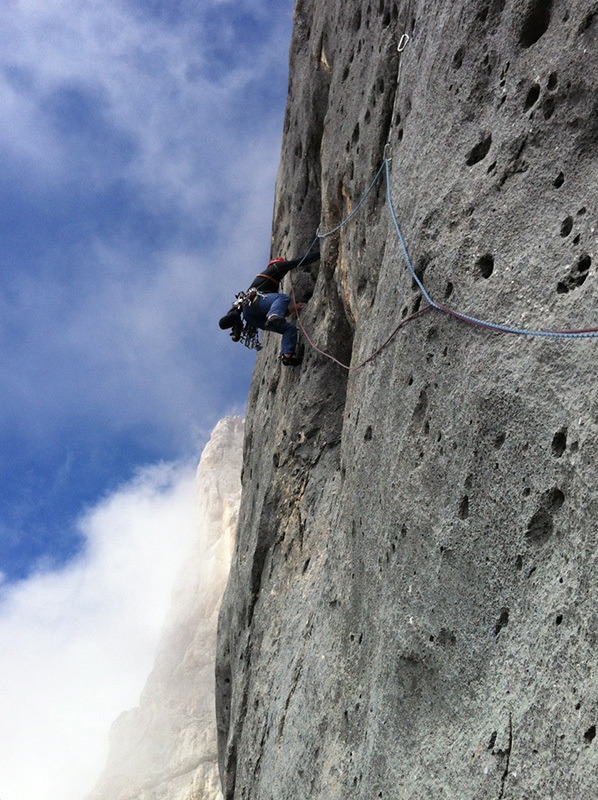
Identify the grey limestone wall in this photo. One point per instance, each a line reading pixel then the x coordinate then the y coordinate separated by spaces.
pixel 411 611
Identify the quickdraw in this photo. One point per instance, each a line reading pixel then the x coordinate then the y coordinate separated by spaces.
pixel 250 337
pixel 243 299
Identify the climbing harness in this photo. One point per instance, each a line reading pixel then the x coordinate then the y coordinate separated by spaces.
pixel 242 331
pixel 244 299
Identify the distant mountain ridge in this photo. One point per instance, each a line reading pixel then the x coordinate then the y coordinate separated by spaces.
pixel 165 749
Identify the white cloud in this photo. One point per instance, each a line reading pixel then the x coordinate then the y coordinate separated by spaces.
pixel 78 644
pixel 156 85
pixel 116 323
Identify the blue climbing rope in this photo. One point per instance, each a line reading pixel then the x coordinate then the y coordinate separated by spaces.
pixel 357 207
pixel 583 333
pixel 586 333
pixel 347 219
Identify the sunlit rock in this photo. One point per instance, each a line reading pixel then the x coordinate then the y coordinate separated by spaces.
pixel 165 749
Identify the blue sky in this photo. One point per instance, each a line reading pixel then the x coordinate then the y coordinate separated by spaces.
pixel 139 143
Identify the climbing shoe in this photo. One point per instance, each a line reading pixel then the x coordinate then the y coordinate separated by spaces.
pixel 274 321
pixel 290 359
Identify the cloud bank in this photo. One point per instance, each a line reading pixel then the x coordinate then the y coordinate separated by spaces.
pixel 77 644
pixel 139 143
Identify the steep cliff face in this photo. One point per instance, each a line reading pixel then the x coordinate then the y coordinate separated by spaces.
pixel 410 610
pixel 165 749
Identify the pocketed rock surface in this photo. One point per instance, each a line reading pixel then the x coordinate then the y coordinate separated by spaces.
pixel 411 608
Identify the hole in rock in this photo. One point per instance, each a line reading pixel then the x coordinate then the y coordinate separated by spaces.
pixel 590 734
pixel 532 97
pixel 548 107
pixel 367 436
pixel 464 507
pixel 503 621
pixel 458 58
pixel 566 226
pixel 559 619
pixel 419 412
pixel 584 264
pixel 499 440
pixel 485 265
pixel 559 442
pixel 540 526
pixel 587 23
pixel 581 211
pixel 536 22
pixel 448 290
pixel 576 276
pixel 559 180
pixel 556 498
pixel 480 151
pixel 552 81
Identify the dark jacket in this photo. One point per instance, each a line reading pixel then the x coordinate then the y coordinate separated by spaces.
pixel 269 280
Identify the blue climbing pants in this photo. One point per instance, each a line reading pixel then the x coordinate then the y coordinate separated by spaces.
pixel 273 303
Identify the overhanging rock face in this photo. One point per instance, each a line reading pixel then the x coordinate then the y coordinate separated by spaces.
pixel 411 611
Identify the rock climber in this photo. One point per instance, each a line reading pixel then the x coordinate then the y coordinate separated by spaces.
pixel 263 307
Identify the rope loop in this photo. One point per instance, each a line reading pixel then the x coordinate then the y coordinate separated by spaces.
pixel 581 333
